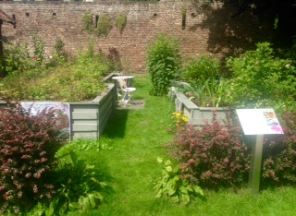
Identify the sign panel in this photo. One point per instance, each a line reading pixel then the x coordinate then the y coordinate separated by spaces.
pixel 259 121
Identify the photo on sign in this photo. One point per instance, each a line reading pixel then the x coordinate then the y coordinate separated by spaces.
pixel 272 121
pixel 259 121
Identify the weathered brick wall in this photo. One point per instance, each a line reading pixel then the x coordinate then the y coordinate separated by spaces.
pixel 209 28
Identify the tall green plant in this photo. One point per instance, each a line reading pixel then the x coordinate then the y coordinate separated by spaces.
pixel 38 44
pixel 196 71
pixel 163 63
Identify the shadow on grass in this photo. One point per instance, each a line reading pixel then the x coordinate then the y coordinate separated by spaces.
pixel 116 125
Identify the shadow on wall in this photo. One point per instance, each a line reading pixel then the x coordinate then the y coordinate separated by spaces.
pixel 232 31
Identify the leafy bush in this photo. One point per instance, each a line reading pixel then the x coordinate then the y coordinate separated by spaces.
pixel 279 158
pixel 260 79
pixel 200 70
pixel 28 146
pixel 174 185
pixel 78 187
pixel 163 63
pixel 17 58
pixel 214 155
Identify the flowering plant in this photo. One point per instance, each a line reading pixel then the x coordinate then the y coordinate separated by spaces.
pixel 180 119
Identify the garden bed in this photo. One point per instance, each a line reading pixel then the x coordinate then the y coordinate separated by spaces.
pixel 87 119
pixel 198 115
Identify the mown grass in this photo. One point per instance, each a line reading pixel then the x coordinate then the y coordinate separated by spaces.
pixel 134 139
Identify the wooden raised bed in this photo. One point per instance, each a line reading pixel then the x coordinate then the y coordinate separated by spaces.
pixel 198 115
pixel 87 120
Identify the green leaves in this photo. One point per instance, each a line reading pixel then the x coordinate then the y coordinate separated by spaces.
pixel 210 92
pixel 261 79
pixel 173 185
pixel 163 63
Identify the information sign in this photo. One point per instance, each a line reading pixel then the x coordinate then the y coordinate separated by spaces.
pixel 259 121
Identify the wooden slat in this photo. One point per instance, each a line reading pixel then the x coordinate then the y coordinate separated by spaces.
pixel 85 135
pixel 85 126
pixel 91 114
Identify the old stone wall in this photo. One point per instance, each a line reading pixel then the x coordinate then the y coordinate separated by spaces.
pixel 206 28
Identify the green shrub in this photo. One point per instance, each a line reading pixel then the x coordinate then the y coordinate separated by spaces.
pixel 80 187
pixel 261 80
pixel 27 151
pixel 17 58
pixel 163 63
pixel 174 185
pixel 196 71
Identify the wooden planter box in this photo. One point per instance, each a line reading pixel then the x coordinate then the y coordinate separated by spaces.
pixel 198 115
pixel 87 120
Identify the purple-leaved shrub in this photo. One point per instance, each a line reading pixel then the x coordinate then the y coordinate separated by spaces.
pixel 214 154
pixel 217 155
pixel 27 156
pixel 279 159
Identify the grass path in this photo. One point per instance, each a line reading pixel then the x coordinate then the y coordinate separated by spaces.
pixel 135 137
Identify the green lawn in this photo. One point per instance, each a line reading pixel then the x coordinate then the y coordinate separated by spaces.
pixel 134 139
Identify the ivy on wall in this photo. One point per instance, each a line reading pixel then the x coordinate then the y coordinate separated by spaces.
pixel 104 24
pixel 102 27
pixel 121 22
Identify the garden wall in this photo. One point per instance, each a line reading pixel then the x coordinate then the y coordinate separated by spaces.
pixel 201 28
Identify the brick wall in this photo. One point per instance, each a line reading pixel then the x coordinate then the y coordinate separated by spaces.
pixel 208 28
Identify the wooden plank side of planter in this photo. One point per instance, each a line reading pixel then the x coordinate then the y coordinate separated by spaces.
pixel 106 108
pixel 84 135
pixel 85 125
pixel 85 115
pixel 198 115
pixel 88 119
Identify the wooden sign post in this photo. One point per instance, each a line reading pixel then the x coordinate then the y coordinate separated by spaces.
pixel 258 122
